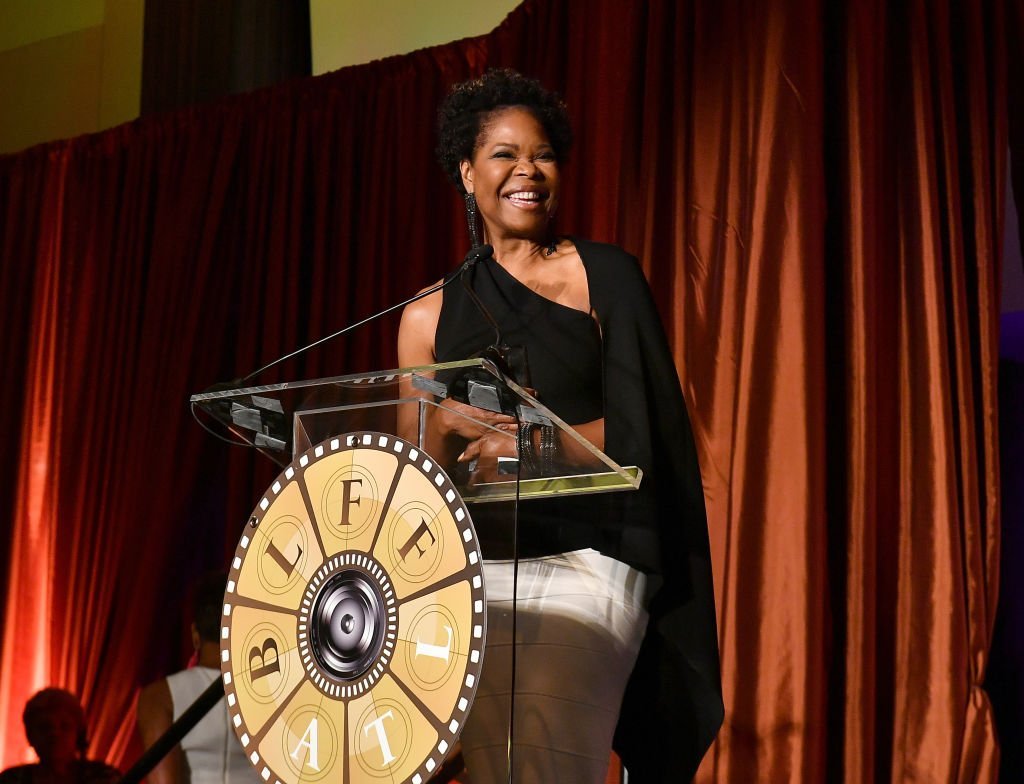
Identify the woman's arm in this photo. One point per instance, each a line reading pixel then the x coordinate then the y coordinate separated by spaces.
pixel 153 716
pixel 568 451
pixel 416 348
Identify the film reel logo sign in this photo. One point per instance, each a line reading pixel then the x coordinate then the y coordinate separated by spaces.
pixel 354 617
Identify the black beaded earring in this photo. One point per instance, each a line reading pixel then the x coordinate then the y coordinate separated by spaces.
pixel 474 229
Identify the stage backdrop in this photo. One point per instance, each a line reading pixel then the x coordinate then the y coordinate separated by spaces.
pixel 814 189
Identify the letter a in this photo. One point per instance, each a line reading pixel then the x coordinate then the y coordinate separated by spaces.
pixel 309 740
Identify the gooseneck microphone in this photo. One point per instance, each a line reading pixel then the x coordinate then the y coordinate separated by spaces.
pixel 475 256
pixel 471 293
pixel 510 360
pixel 497 352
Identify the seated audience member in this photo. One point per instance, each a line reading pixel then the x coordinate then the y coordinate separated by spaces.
pixel 210 753
pixel 55 728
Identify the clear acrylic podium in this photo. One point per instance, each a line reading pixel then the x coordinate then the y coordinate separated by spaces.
pixel 355 617
pixel 283 420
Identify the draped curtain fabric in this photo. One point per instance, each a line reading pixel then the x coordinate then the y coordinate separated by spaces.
pixel 195 51
pixel 815 192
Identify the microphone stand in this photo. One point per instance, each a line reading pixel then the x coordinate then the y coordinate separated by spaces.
pixel 498 353
pixel 476 255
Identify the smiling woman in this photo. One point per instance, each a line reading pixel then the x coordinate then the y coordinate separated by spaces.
pixel 590 636
pixel 513 176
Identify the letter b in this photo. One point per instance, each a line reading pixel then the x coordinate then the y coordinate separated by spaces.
pixel 267 664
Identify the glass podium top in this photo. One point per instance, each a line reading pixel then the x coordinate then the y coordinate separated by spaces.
pixel 440 409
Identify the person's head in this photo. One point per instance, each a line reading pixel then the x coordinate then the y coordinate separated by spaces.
pixel 206 608
pixel 502 137
pixel 55 726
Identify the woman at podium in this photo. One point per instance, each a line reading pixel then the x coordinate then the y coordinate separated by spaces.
pixel 615 623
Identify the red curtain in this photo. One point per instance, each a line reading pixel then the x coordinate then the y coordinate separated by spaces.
pixel 815 190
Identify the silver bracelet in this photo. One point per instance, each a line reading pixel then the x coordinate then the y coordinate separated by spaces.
pixel 524 443
pixel 548 445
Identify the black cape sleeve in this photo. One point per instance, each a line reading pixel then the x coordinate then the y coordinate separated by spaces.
pixel 673 707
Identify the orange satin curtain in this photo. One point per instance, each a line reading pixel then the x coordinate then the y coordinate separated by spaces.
pixel 839 199
pixel 815 190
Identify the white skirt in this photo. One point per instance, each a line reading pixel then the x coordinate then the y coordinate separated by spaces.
pixel 580 621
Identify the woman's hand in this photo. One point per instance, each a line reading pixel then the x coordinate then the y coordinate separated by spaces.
pixel 483 453
pixel 452 418
pixel 492 445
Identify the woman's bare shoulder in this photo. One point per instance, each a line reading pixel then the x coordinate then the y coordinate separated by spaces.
pixel 423 311
pixel 417 329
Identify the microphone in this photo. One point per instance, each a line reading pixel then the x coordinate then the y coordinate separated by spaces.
pixel 471 293
pixel 475 256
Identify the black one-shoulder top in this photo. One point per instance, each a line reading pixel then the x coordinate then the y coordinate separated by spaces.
pixel 563 345
pixel 564 355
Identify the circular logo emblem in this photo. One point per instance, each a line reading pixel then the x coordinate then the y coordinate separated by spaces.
pixel 354 618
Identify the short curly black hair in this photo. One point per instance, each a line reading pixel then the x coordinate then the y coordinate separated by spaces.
pixel 463 115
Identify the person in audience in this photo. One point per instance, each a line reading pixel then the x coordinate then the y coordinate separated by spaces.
pixel 210 753
pixel 55 728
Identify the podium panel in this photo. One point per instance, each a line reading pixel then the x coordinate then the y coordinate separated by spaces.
pixel 354 617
